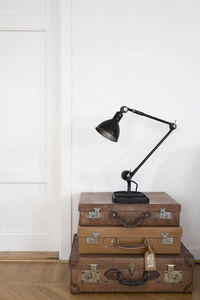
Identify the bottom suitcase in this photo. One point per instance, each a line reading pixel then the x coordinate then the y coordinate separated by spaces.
pixel 126 273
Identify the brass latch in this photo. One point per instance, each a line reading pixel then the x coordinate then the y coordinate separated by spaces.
pixel 94 239
pixel 131 269
pixel 165 214
pixel 91 275
pixel 171 276
pixel 166 240
pixel 95 214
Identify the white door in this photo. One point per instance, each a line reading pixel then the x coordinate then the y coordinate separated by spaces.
pixel 28 125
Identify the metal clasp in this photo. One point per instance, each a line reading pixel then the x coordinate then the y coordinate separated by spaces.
pixel 171 276
pixel 166 240
pixel 91 275
pixel 131 269
pixel 95 214
pixel 165 214
pixel 94 239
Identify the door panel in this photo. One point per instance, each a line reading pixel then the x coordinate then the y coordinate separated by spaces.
pixel 28 126
pixel 22 7
pixel 28 213
pixel 22 102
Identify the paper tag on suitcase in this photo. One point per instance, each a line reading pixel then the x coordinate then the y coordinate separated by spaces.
pixel 150 259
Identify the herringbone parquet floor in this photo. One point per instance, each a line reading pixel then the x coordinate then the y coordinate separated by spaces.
pixel 50 281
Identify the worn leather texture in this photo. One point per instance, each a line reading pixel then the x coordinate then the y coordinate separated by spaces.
pixel 129 269
pixel 115 239
pixel 133 215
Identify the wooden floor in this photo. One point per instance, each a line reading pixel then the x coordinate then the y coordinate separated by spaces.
pixel 50 281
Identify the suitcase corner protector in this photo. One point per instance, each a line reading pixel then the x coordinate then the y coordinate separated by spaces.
pixel 74 288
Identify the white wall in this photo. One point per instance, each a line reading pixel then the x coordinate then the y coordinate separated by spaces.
pixel 143 54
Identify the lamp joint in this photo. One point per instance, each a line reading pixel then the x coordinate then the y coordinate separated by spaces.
pixel 124 109
pixel 172 126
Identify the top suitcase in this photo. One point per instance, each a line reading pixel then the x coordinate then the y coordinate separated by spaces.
pixel 97 209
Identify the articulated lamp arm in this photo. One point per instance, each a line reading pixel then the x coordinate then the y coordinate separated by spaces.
pixel 127 175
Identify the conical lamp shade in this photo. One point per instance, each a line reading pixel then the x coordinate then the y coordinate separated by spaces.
pixel 109 129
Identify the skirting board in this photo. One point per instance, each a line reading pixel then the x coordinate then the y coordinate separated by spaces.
pixel 40 256
pixel 29 256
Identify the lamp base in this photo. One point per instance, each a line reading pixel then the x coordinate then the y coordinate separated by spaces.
pixel 129 197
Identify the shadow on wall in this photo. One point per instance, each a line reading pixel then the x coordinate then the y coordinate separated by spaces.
pixel 181 179
pixel 75 212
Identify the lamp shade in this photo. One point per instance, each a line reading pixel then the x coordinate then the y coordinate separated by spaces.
pixel 109 129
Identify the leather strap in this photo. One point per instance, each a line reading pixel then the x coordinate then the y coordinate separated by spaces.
pixel 130 246
pixel 116 215
pixel 115 274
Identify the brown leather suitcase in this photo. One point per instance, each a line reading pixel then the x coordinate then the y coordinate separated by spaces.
pixel 98 209
pixel 115 239
pixel 126 273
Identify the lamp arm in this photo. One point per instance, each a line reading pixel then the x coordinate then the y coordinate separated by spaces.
pixel 125 109
pixel 150 153
pixel 127 175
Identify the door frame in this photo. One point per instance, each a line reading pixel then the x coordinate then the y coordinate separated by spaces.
pixel 65 117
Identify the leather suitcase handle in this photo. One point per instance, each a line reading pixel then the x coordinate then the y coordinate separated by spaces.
pixel 129 246
pixel 116 215
pixel 115 274
pixel 134 283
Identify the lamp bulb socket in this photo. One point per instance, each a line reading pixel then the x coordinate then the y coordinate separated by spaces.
pixel 117 117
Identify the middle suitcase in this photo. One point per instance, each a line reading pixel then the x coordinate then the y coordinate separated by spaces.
pixel 105 239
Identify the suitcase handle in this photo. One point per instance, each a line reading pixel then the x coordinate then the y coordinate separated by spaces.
pixel 134 283
pixel 116 215
pixel 115 274
pixel 129 246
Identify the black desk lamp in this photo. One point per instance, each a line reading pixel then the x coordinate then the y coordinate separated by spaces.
pixel 110 130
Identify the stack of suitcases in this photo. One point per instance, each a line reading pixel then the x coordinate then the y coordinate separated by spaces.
pixel 130 247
